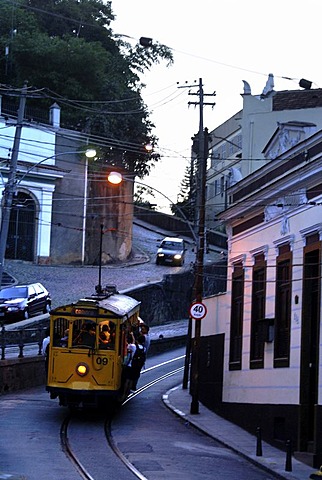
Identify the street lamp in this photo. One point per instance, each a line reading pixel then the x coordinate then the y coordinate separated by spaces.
pixel 8 194
pixel 115 178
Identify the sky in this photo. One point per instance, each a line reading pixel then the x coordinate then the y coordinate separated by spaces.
pixel 223 43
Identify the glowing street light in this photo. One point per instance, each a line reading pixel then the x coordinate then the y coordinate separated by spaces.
pixel 148 147
pixel 115 178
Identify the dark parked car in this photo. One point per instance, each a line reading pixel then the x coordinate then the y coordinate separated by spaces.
pixel 22 301
pixel 171 251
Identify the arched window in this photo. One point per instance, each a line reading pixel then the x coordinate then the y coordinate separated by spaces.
pixel 21 234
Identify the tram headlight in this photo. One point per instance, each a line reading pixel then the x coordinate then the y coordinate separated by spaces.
pixel 82 369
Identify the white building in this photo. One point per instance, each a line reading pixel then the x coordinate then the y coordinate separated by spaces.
pixel 261 352
pixel 31 216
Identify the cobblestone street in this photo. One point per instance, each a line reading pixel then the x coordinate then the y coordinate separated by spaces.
pixel 68 283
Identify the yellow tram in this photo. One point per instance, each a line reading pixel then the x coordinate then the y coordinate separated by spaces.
pixel 87 348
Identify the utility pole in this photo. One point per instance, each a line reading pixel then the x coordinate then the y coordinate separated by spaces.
pixel 9 189
pixel 198 282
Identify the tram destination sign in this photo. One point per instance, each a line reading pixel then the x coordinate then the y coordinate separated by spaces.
pixel 198 310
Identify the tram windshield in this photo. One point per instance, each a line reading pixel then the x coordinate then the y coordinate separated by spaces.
pixel 83 333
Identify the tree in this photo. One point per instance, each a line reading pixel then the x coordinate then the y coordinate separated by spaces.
pixel 187 195
pixel 139 197
pixel 68 49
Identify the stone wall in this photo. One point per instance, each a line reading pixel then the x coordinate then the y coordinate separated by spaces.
pixel 176 223
pixel 19 373
pixel 170 299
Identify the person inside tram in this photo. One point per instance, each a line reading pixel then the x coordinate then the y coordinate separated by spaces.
pixel 64 339
pixel 105 336
pixel 87 335
pixel 112 334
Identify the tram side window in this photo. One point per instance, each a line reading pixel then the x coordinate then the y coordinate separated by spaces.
pixel 107 332
pixel 86 336
pixel 61 329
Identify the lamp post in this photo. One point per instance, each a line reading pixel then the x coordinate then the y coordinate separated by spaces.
pixel 9 191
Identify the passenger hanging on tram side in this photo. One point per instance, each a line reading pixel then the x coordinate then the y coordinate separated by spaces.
pixel 127 371
pixel 145 331
pixel 138 361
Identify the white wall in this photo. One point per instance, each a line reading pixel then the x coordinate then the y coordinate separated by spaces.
pixel 37 143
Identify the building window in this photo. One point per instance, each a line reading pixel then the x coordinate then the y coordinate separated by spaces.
pixel 258 323
pixel 236 320
pixel 216 187
pixel 222 185
pixel 238 140
pixel 223 154
pixel 283 307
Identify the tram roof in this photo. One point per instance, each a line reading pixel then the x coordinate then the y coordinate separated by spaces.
pixel 118 304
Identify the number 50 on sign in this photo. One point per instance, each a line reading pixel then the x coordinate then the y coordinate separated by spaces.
pixel 198 310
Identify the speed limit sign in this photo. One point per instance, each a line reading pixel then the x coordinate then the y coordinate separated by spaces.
pixel 198 310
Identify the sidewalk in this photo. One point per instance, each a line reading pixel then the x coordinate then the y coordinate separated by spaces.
pixel 273 460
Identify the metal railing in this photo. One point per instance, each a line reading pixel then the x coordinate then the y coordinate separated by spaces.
pixel 21 343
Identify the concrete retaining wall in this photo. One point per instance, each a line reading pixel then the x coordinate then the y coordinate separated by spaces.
pixel 170 299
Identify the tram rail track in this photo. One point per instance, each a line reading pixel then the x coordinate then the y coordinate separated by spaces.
pixel 64 429
pixel 69 452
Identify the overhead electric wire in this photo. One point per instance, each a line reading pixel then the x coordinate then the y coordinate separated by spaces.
pixel 110 21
